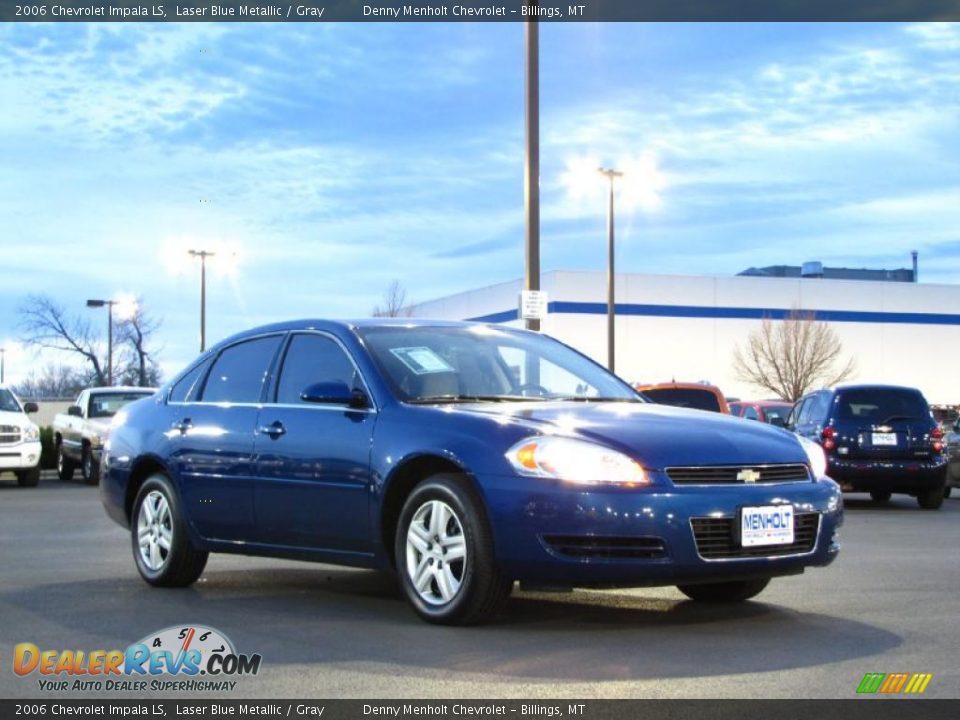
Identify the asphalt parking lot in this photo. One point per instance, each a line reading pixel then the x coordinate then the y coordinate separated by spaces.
pixel 889 604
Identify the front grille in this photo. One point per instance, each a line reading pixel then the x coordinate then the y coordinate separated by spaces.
pixel 9 434
pixel 727 474
pixel 606 547
pixel 715 541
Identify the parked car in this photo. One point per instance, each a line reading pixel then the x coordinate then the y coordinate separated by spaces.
pixel 774 412
pixel 19 439
pixel 879 439
pixel 696 396
pixel 79 434
pixel 464 456
pixel 952 442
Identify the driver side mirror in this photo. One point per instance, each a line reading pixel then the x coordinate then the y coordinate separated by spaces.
pixel 30 407
pixel 75 411
pixel 335 393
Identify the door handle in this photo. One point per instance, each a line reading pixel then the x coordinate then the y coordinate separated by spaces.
pixel 183 425
pixel 274 429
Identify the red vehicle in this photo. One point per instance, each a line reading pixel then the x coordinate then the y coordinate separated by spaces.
pixel 774 412
pixel 697 396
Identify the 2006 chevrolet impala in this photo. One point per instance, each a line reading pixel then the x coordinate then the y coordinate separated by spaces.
pixel 465 456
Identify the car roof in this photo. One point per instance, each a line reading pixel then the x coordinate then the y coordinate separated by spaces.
pixel 356 323
pixel 121 388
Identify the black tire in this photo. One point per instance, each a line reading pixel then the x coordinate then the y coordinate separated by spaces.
pixel 946 491
pixel 725 592
pixel 881 497
pixel 65 465
pixel 183 563
pixel 89 468
pixel 29 478
pixel 483 590
pixel 930 499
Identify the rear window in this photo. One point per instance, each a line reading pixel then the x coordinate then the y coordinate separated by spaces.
pixel 878 406
pixel 776 412
pixel 685 397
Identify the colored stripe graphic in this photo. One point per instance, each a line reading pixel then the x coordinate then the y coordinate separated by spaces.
pixel 894 683
pixel 730 313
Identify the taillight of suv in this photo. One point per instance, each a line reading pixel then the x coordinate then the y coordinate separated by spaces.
pixel 936 437
pixel 827 438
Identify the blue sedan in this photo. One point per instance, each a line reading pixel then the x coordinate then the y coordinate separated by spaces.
pixel 464 457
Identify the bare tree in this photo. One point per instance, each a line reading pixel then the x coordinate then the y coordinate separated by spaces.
pixel 139 366
pixel 52 382
pixel 394 302
pixel 46 324
pixel 793 355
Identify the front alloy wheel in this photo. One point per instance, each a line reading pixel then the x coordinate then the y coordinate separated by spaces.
pixel 90 468
pixel 444 553
pixel 436 552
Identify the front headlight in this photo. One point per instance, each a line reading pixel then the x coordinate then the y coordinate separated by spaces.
pixel 31 433
pixel 574 461
pixel 815 455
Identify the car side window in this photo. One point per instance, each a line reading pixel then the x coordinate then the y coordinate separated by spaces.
pixel 750 413
pixel 794 418
pixel 187 387
pixel 238 373
pixel 808 411
pixel 313 359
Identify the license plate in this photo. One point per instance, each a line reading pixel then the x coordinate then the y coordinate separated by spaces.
pixel 766 525
pixel 889 439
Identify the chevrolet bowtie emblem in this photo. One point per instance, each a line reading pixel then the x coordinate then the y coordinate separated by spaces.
pixel 748 476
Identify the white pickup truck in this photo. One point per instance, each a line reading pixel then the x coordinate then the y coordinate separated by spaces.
pixel 79 433
pixel 19 439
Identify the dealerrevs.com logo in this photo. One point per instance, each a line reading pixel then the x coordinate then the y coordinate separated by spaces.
pixel 177 658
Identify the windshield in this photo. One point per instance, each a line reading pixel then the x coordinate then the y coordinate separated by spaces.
pixel 485 363
pixel 685 397
pixel 104 405
pixel 777 411
pixel 8 403
pixel 877 406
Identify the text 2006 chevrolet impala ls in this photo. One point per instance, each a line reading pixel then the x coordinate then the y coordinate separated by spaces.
pixel 465 456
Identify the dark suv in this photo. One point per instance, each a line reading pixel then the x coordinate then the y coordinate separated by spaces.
pixel 879 439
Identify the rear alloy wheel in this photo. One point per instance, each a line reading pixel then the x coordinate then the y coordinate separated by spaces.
pixel 29 478
pixel 930 499
pixel 161 546
pixel 725 592
pixel 881 497
pixel 64 464
pixel 444 554
pixel 89 468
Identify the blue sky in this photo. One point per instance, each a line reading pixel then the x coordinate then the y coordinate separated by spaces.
pixel 339 157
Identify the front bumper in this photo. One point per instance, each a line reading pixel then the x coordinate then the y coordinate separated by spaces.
pixel 650 531
pixel 899 476
pixel 20 456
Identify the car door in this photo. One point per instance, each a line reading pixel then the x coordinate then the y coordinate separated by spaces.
pixel 213 440
pixel 313 459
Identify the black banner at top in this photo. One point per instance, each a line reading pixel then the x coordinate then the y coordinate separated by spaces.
pixel 478 10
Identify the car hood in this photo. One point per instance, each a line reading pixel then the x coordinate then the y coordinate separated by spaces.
pixel 100 426
pixel 13 418
pixel 659 436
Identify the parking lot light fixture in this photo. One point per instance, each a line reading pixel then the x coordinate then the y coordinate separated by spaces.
pixel 109 305
pixel 611 175
pixel 203 255
pixel 3 361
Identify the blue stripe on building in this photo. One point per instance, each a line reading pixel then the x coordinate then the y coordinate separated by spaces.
pixel 731 313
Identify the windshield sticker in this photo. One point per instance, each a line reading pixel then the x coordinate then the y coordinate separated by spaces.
pixel 421 360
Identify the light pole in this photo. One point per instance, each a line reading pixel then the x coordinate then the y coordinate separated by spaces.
pixel 611 176
pixel 3 354
pixel 109 305
pixel 203 255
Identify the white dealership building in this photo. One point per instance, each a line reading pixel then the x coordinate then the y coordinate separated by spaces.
pixel 686 328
